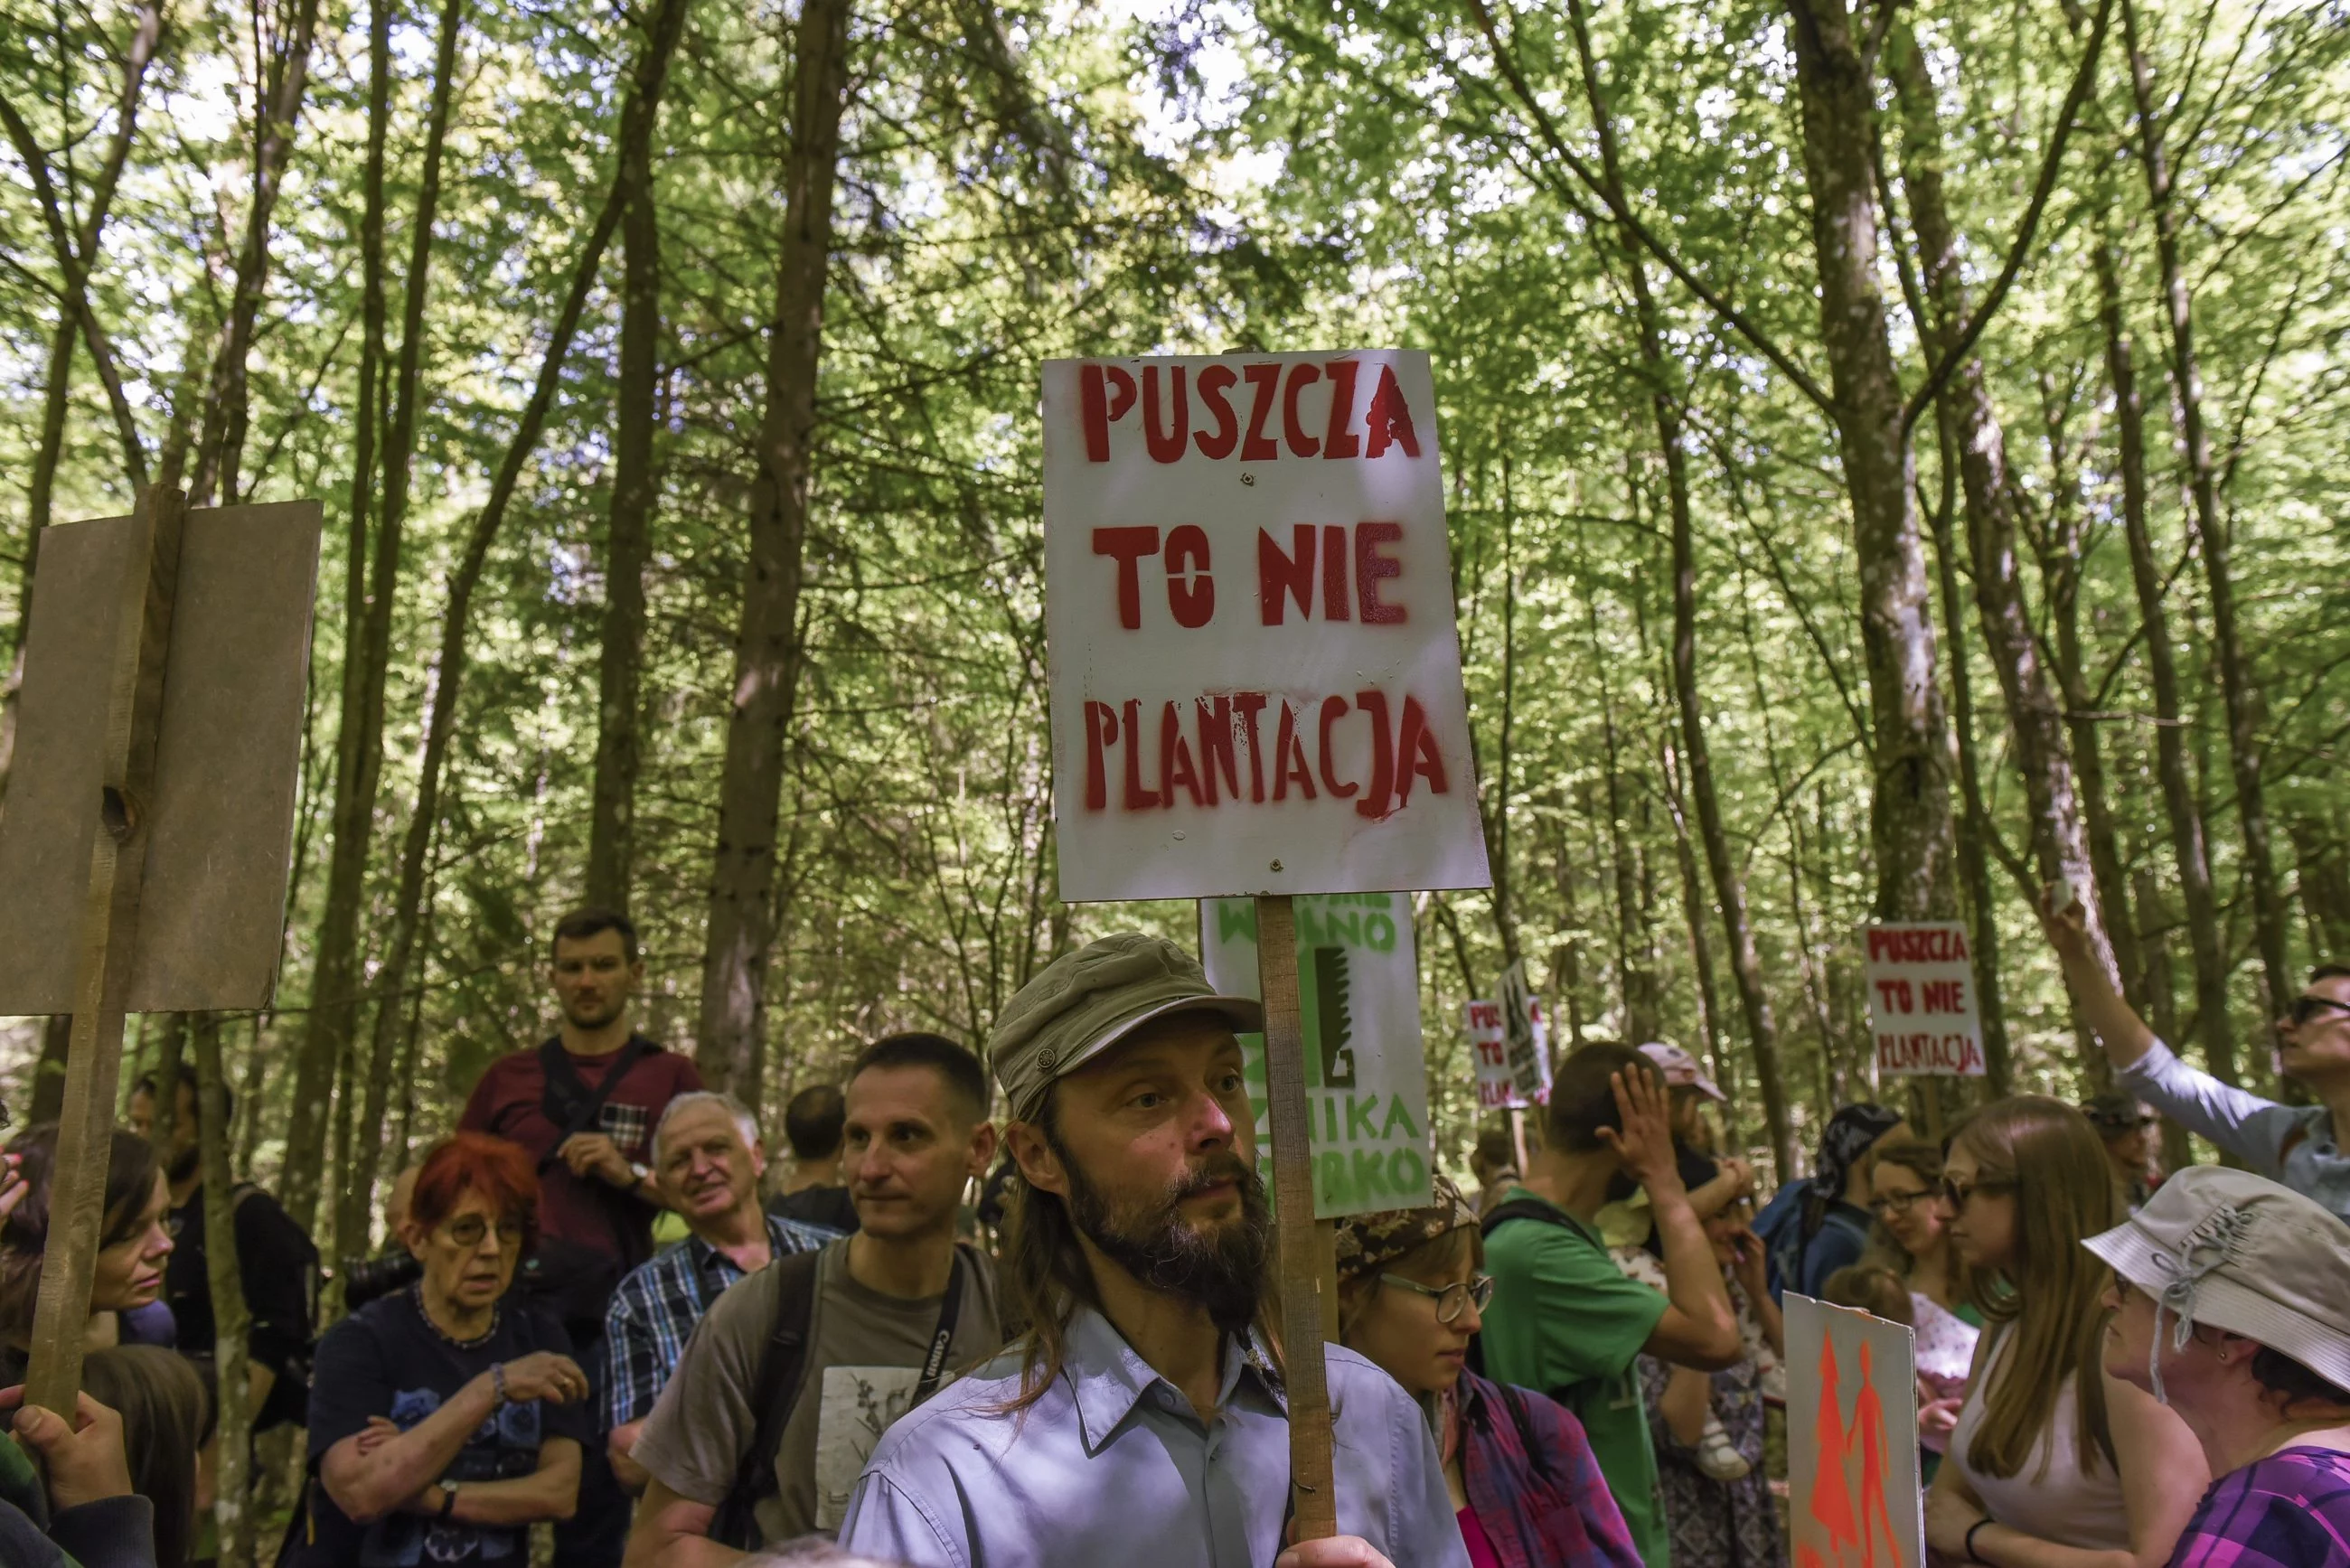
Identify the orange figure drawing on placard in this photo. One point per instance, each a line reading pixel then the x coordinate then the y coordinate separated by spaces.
pixel 1846 1517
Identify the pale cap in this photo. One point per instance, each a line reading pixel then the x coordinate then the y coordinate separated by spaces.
pixel 2241 1253
pixel 1681 1070
pixel 1082 1004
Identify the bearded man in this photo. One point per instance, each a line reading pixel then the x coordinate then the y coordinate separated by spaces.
pixel 1142 1416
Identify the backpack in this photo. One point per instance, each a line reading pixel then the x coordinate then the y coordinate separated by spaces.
pixel 781 1379
pixel 1500 1215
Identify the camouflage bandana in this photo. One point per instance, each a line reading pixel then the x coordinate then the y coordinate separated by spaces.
pixel 1369 1242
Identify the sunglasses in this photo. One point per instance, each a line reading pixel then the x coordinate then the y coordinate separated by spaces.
pixel 2309 1008
pixel 1893 1203
pixel 469 1232
pixel 1452 1300
pixel 1956 1194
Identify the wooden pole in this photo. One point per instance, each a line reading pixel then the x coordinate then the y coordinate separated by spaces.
pixel 1307 1299
pixel 109 934
pixel 1518 1138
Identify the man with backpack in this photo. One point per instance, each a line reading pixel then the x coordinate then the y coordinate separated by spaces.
pixel 583 1104
pixel 795 1371
pixel 1566 1320
pixel 277 1264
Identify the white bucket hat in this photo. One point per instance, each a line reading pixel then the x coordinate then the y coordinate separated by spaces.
pixel 2241 1253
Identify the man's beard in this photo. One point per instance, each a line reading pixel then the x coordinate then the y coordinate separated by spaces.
pixel 185 1164
pixel 1221 1272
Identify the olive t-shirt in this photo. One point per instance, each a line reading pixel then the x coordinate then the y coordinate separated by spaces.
pixel 1567 1322
pixel 868 1351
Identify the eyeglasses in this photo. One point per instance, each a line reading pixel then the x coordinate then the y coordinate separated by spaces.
pixel 1452 1300
pixel 2309 1008
pixel 1891 1203
pixel 469 1230
pixel 1956 1195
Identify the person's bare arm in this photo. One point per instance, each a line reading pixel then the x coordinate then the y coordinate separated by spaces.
pixel 1697 1328
pixel 370 1477
pixel 1688 1401
pixel 1734 1181
pixel 672 1531
pixel 2118 1028
pixel 620 1448
pixel 551 1491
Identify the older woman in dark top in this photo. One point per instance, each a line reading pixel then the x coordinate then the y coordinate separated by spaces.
pixel 447 1418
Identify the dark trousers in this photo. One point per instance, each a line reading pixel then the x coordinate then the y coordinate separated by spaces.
pixel 598 1531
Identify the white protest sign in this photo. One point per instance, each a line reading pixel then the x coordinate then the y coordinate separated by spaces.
pixel 1921 1000
pixel 1489 1044
pixel 1366 1069
pixel 1528 1042
pixel 1852 1439
pixel 1256 681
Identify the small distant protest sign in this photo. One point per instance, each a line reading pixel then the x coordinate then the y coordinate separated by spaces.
pixel 1500 1068
pixel 1922 1010
pixel 1366 1071
pixel 1255 679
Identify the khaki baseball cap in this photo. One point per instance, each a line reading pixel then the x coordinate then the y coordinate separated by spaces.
pixel 2241 1253
pixel 1084 1002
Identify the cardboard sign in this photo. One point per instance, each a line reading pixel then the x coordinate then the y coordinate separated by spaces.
pixel 1921 1000
pixel 1366 1067
pixel 227 760
pixel 1489 1045
pixel 1255 680
pixel 1528 1042
pixel 1852 1439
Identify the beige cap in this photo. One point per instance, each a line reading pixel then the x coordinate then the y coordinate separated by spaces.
pixel 1082 1004
pixel 1681 1070
pixel 2241 1253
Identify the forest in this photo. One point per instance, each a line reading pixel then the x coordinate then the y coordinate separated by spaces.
pixel 1885 470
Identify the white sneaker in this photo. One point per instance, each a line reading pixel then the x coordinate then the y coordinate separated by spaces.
pixel 1717 1460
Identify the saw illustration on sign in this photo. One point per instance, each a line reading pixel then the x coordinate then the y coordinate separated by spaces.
pixel 1255 679
pixel 1366 1073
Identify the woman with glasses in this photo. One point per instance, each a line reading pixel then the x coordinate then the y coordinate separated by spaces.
pixel 2053 1463
pixel 1912 1240
pixel 1525 1483
pixel 446 1419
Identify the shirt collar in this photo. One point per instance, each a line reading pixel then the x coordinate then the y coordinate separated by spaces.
pixel 1107 1379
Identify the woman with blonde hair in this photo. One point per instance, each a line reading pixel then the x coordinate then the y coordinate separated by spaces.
pixel 2053 1463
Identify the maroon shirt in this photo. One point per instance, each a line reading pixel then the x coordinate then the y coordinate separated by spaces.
pixel 586 1211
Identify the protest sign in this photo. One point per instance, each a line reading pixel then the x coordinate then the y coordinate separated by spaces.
pixel 1255 679
pixel 1528 1042
pixel 1366 1067
pixel 1489 1045
pixel 1921 1000
pixel 1852 1445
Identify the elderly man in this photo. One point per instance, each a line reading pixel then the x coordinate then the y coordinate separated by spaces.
pixel 707 1159
pixel 1142 1419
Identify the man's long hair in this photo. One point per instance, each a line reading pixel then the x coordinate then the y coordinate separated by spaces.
pixel 1044 1277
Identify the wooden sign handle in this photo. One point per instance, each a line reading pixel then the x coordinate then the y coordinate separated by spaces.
pixel 108 936
pixel 1306 1245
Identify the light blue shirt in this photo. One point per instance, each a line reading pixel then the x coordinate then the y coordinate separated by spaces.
pixel 2294 1145
pixel 1111 1467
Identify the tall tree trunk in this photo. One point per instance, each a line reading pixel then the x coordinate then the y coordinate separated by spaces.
pixel 1493 804
pixel 233 1503
pixel 1974 826
pixel 2237 687
pixel 768 652
pixel 220 450
pixel 2173 767
pixel 370 593
pixel 1909 815
pixel 2059 846
pixel 647 78
pixel 1567 957
pixel 1636 986
pixel 48 1096
pixel 611 828
pixel 1665 409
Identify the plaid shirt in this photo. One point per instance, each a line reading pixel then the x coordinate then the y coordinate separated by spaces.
pixel 2291 1510
pixel 1534 1483
pixel 655 1309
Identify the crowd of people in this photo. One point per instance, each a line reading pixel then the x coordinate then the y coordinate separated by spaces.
pixel 602 1312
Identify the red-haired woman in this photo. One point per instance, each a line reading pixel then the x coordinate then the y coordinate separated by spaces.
pixel 444 1419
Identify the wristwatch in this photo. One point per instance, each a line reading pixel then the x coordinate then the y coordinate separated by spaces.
pixel 643 1174
pixel 448 1499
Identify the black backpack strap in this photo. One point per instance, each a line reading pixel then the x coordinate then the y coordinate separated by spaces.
pixel 569 1104
pixel 774 1390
